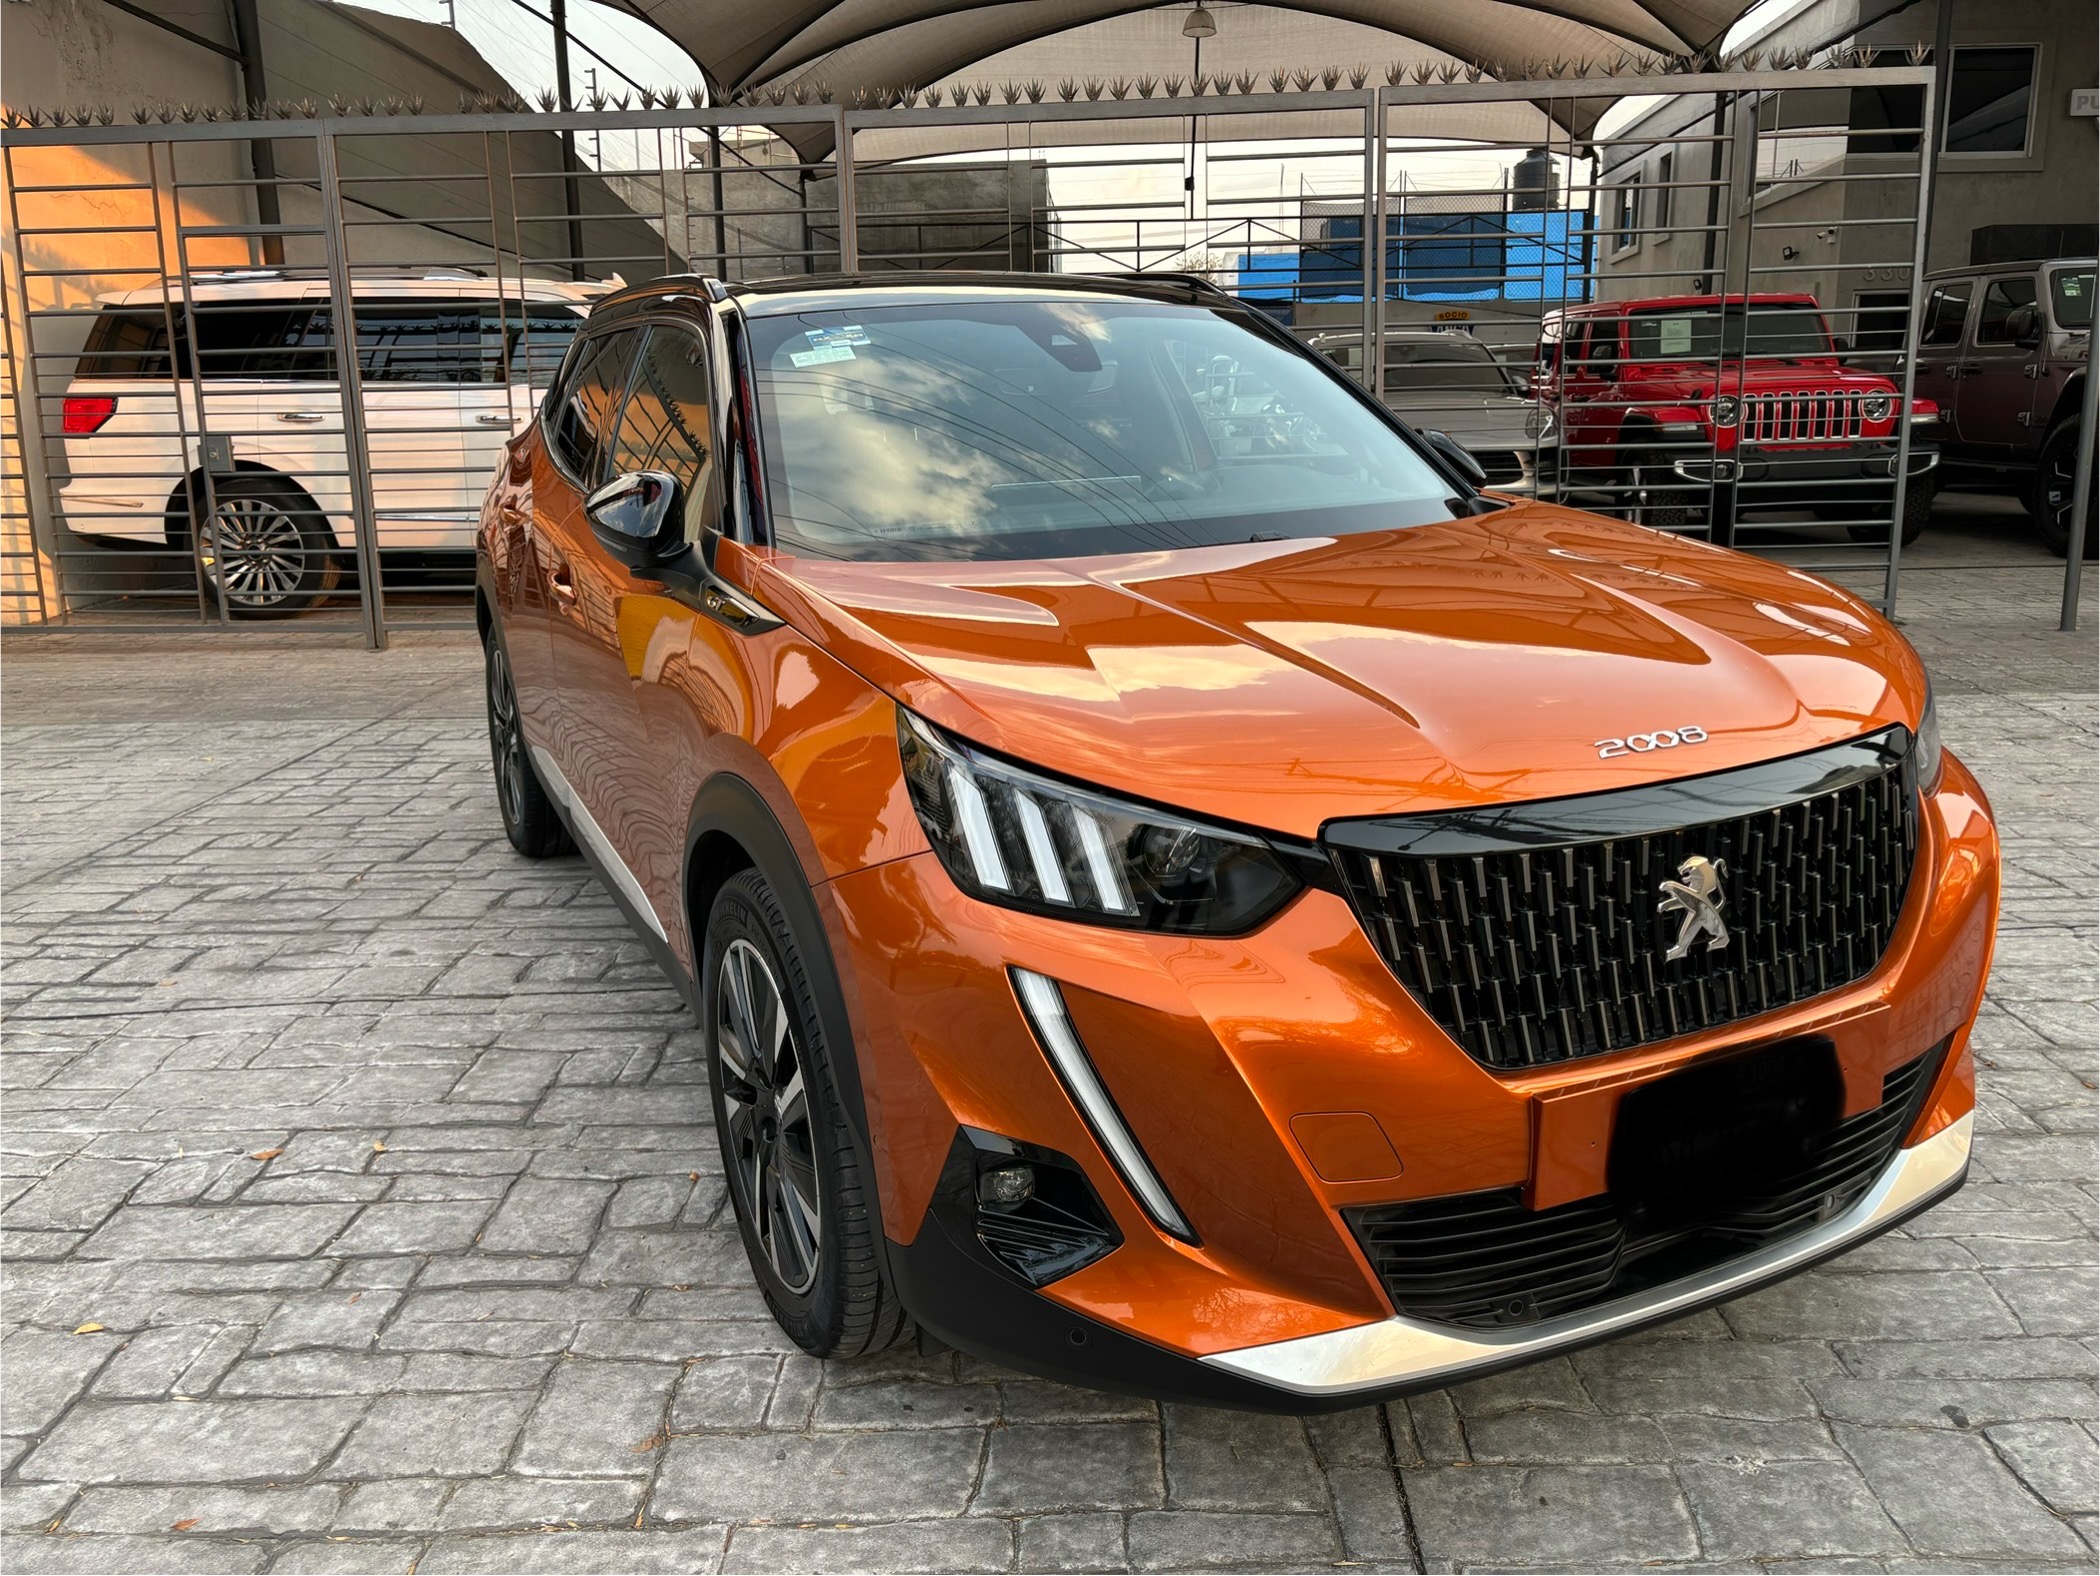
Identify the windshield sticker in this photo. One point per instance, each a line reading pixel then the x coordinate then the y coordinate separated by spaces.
pixel 824 338
pixel 822 354
pixel 1676 336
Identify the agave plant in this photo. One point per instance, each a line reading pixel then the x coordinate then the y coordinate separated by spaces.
pixel 1035 92
pixel 1359 75
pixel 1244 82
pixel 1331 78
pixel 1146 86
pixel 1171 88
pixel 1920 52
pixel 1094 87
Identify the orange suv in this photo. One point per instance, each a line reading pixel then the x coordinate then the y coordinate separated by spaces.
pixel 1184 894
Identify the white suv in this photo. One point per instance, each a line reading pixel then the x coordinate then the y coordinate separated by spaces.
pixel 451 364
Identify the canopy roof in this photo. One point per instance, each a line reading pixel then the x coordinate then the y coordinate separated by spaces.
pixel 848 44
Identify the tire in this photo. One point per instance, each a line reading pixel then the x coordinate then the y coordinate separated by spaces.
pixel 2056 474
pixel 530 820
pixel 1657 497
pixel 266 551
pixel 809 1218
pixel 1917 514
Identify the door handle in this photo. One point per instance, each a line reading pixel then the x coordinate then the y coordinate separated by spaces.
pixel 561 582
pixel 303 416
pixel 492 419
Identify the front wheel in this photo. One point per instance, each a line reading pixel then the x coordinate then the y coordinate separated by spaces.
pixel 1917 513
pixel 266 551
pixel 807 1214
pixel 2055 484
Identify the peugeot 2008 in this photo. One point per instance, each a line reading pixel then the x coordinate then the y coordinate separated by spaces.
pixel 1184 892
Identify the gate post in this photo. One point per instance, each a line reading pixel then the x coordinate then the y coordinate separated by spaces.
pixel 1920 238
pixel 849 208
pixel 29 406
pixel 350 386
pixel 1374 245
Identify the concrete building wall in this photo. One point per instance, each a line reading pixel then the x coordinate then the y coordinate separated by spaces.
pixel 1848 235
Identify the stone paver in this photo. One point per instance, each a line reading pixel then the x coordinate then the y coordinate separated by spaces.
pixel 381 1159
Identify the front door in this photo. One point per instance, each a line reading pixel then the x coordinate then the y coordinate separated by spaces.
pixel 623 629
pixel 1940 340
pixel 1994 402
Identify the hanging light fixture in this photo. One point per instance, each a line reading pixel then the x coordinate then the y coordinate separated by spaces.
pixel 1199 24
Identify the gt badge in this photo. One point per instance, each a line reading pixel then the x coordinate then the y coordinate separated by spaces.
pixel 1698 897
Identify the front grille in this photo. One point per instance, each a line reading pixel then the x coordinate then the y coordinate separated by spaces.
pixel 1485 1261
pixel 1803 416
pixel 1502 465
pixel 1531 940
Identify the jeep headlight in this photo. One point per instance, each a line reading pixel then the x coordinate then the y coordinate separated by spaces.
pixel 1013 837
pixel 1727 408
pixel 1875 407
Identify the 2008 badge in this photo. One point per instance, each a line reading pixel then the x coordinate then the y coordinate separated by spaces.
pixel 1642 743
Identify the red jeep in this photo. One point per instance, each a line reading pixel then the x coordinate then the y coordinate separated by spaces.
pixel 1662 401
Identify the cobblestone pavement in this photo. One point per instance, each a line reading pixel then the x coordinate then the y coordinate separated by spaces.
pixel 361 1214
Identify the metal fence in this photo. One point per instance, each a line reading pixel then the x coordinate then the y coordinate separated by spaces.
pixel 232 399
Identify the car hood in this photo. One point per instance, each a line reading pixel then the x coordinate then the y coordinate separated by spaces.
pixel 1492 421
pixel 1281 685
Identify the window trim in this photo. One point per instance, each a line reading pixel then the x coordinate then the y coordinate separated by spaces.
pixel 1664 186
pixel 1978 159
pixel 550 406
pixel 1968 314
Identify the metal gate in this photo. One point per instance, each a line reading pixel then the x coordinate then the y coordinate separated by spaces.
pixel 235 401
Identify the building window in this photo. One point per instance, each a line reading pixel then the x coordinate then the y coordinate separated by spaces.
pixel 1886 120
pixel 1626 215
pixel 1665 173
pixel 1990 99
pixel 1879 321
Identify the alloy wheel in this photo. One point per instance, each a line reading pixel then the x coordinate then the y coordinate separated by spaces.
pixel 253 552
pixel 506 737
pixel 766 1113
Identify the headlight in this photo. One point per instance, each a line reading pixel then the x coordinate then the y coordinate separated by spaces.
pixel 1538 424
pixel 1875 407
pixel 1926 748
pixel 1726 409
pixel 1025 841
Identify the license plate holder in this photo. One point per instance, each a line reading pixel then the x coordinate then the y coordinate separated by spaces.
pixel 1688 1146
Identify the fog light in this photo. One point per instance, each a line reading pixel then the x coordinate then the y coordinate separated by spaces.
pixel 1006 1187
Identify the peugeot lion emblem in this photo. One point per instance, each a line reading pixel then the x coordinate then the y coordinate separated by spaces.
pixel 1698 897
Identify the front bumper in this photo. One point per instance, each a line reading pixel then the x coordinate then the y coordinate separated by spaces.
pixel 1214 1050
pixel 1815 469
pixel 1401 1356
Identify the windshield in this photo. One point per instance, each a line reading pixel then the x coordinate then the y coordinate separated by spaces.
pixel 985 430
pixel 1694 333
pixel 2071 290
pixel 1446 362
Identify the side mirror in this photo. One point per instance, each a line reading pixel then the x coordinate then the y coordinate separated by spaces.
pixel 632 515
pixel 1454 452
pixel 2023 325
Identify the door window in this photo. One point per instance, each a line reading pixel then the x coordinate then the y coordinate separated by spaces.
pixel 581 409
pixel 409 343
pixel 256 342
pixel 1998 303
pixel 664 425
pixel 1944 314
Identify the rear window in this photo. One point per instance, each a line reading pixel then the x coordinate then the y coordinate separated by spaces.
pixel 398 342
pixel 129 344
pixel 1696 333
